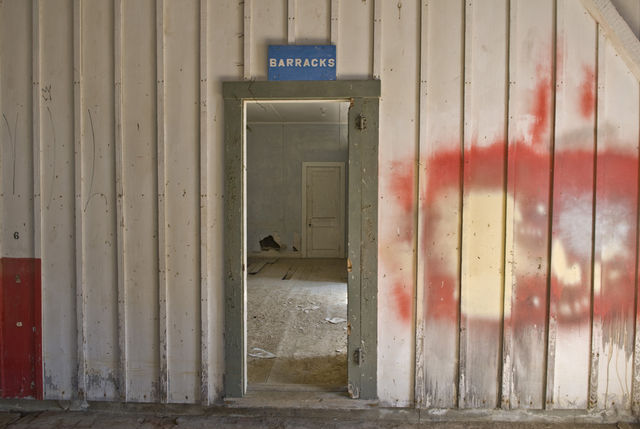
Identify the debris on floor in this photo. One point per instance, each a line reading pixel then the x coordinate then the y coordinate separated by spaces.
pixel 308 308
pixel 268 243
pixel 286 317
pixel 290 272
pixel 335 320
pixel 259 353
pixel 256 266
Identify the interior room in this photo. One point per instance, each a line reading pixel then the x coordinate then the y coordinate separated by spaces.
pixel 297 155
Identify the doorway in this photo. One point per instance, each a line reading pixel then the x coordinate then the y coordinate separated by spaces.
pixel 323 204
pixel 360 221
pixel 296 266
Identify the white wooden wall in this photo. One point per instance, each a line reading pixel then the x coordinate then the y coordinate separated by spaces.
pixel 508 155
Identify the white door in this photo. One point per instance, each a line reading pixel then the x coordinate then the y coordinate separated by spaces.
pixel 323 195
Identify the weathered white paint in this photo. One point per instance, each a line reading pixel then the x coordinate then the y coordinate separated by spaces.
pixel 160 173
pixel 530 113
pixel 313 22
pixel 355 45
pixel 17 207
pixel 398 124
pixel 485 112
pixel 615 221
pixel 115 113
pixel 57 198
pixel 224 62
pixel 81 344
pixel 182 198
pixel 269 26
pixel 442 45
pixel 204 214
pixel 568 344
pixel 98 199
pixel 140 203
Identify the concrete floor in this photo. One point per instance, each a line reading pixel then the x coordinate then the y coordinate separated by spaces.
pixel 296 324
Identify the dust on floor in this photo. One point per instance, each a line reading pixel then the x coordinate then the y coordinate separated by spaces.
pixel 296 323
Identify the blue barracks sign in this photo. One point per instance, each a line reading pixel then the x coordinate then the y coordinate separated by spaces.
pixel 302 62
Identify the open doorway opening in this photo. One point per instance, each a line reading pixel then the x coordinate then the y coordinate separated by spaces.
pixel 361 222
pixel 297 156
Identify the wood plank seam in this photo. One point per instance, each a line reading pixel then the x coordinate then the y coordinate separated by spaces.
pixel 377 39
pixel 592 394
pixel 163 382
pixel 37 187
pixel 204 220
pixel 463 41
pixel 504 369
pixel 462 337
pixel 37 141
pixel 80 382
pixel 335 23
pixel 552 127
pixel 247 39
pixel 419 390
pixel 120 209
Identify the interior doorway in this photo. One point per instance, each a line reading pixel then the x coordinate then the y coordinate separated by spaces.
pixel 296 281
pixel 361 100
pixel 323 205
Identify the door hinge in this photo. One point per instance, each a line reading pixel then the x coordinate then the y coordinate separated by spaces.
pixel 358 356
pixel 361 122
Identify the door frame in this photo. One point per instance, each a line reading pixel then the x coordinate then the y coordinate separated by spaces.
pixel 362 222
pixel 305 165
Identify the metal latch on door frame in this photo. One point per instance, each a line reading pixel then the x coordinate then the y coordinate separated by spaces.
pixel 361 122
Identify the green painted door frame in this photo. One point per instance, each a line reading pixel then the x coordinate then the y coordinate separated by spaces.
pixel 362 221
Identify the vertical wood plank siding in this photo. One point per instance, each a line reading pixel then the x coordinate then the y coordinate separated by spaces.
pixel 508 191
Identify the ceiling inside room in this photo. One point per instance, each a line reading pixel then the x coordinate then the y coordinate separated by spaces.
pixel 333 112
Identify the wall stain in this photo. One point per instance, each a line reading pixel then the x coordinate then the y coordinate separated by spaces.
pixel 46 93
pixel 93 165
pixel 12 140
pixel 53 160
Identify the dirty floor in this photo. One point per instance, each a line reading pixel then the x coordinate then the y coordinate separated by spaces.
pixel 223 418
pixel 296 324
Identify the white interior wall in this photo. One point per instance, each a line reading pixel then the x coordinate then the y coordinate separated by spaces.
pixel 275 153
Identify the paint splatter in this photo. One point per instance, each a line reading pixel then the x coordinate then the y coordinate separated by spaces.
pixel 587 92
pixel 541 107
pixel 402 184
pixel 403 300
pixel 615 227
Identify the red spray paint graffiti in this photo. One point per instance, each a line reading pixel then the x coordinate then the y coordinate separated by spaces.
pixel 587 93
pixel 570 273
pixel 403 301
pixel 402 184
pixel 541 107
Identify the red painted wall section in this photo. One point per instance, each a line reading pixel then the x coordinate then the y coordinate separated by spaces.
pixel 20 328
